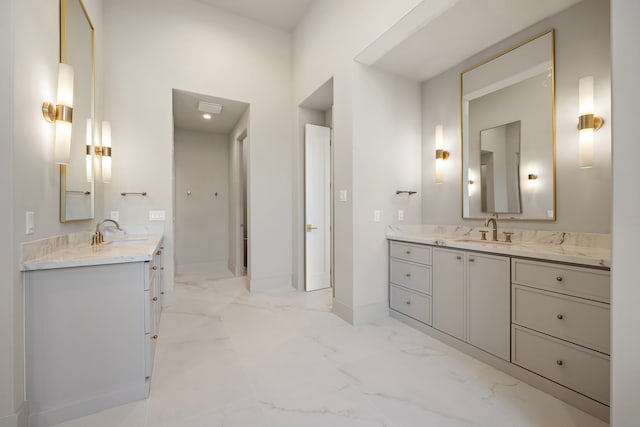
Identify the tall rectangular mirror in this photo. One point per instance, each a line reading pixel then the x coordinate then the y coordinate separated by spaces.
pixel 76 49
pixel 508 134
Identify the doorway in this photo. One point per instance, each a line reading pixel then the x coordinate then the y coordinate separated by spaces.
pixel 210 191
pixel 315 220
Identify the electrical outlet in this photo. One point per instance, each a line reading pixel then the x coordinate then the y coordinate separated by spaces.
pixel 343 195
pixel 115 215
pixel 30 223
pixel 156 215
pixel 376 216
pixel 400 215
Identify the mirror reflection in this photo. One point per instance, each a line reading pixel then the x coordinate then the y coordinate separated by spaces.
pixel 76 49
pixel 508 134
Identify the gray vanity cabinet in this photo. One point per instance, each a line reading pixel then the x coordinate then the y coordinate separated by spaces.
pixel 471 298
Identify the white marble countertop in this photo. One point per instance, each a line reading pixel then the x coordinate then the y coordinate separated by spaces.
pixel 589 249
pixel 73 251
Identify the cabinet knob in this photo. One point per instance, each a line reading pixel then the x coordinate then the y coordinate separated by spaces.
pixel 155 337
pixel 161 268
pixel 155 298
pixel 154 268
pixel 408 252
pixel 162 293
pixel 559 362
pixel 472 259
pixel 159 253
pixel 161 247
pixel 560 316
pixel 559 278
pixel 408 275
pixel 458 257
pixel 408 302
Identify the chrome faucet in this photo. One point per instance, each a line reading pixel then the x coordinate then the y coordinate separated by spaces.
pixel 98 237
pixel 493 220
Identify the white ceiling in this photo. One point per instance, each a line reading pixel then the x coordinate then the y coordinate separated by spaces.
pixel 283 14
pixel 187 116
pixel 444 37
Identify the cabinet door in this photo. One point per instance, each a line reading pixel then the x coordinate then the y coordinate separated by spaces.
pixel 488 302
pixel 449 292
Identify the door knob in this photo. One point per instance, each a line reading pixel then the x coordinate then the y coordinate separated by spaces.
pixel 309 227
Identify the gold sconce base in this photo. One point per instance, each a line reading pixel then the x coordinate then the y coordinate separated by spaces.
pixel 590 121
pixel 52 112
pixel 532 176
pixel 442 154
pixel 103 151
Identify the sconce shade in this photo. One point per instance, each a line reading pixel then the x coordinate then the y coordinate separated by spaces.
pixel 89 152
pixel 62 114
pixel 65 85
pixel 588 123
pixel 106 152
pixel 441 154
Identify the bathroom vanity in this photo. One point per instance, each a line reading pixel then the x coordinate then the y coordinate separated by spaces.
pixel 92 317
pixel 537 309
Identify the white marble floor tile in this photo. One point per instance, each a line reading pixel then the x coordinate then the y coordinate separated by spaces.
pixel 229 358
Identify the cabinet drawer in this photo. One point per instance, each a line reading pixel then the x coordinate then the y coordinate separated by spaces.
pixel 575 367
pixel 578 320
pixel 412 276
pixel 410 303
pixel 408 252
pixel 581 282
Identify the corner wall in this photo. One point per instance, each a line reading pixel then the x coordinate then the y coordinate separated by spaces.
pixel 154 46
pixel 583 196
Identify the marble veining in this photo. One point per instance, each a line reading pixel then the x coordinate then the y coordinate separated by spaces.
pixel 75 250
pixel 229 358
pixel 591 249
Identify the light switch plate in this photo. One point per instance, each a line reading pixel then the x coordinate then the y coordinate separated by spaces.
pixel 400 215
pixel 156 215
pixel 376 216
pixel 343 195
pixel 30 223
pixel 115 215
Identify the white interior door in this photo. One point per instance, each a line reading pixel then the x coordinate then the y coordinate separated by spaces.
pixel 317 190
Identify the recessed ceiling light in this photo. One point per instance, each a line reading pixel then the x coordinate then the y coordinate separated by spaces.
pixel 206 116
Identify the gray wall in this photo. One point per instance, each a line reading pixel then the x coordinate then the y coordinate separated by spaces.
pixel 202 218
pixel 583 195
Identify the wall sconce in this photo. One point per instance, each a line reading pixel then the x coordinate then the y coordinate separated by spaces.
pixel 587 121
pixel 105 152
pixel 89 155
pixel 61 113
pixel 441 155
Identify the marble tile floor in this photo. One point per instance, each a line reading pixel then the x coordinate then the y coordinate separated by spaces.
pixel 226 357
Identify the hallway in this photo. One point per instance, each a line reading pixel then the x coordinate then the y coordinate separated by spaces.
pixel 229 358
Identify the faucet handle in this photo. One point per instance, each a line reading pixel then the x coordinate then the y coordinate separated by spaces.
pixel 507 236
pixel 484 234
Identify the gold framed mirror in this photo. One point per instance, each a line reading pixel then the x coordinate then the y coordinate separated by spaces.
pixel 507 108
pixel 76 49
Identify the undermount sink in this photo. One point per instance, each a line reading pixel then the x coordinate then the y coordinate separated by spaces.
pixel 127 242
pixel 483 241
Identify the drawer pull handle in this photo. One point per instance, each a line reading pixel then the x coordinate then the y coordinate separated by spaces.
pixel 560 316
pixel 472 259
pixel 408 252
pixel 408 302
pixel 159 253
pixel 458 257
pixel 154 268
pixel 162 293
pixel 559 362
pixel 155 298
pixel 408 274
pixel 559 278
pixel 155 337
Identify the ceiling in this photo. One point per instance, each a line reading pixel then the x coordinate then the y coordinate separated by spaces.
pixel 449 31
pixel 187 116
pixel 282 14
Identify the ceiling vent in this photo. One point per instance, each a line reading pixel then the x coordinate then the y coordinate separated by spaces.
pixel 209 107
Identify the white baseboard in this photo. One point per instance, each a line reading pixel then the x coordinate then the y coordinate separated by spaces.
pixel 269 283
pixel 87 407
pixel 201 267
pixel 343 311
pixel 19 419
pixel 370 312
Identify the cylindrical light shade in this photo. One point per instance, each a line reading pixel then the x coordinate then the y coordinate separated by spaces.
pixel 89 151
pixel 585 94
pixel 585 106
pixel 106 152
pixel 62 144
pixel 65 85
pixel 439 159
